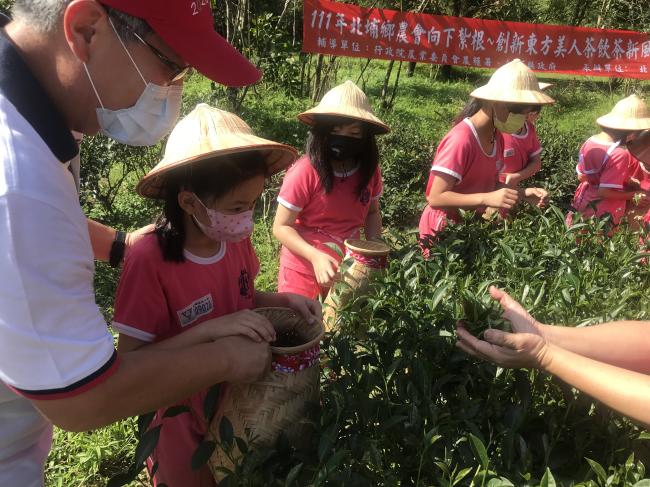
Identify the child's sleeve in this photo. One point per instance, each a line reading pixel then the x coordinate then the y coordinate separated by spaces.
pixel 296 188
pixel 453 155
pixel 535 148
pixel 617 170
pixel 377 185
pixel 140 304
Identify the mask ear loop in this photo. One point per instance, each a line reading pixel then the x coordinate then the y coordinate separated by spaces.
pixel 93 85
pixel 127 51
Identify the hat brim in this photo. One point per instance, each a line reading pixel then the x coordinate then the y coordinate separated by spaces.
pixel 208 53
pixel 524 97
pixel 277 157
pixel 310 117
pixel 618 123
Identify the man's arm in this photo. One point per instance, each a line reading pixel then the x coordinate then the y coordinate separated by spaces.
pixel 146 380
pixel 103 236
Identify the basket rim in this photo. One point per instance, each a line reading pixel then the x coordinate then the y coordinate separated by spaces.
pixel 360 246
pixel 300 348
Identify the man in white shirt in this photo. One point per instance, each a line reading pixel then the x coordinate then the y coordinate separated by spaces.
pixel 86 66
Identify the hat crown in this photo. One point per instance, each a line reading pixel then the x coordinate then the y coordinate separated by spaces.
pixel 203 130
pixel 516 76
pixel 631 107
pixel 347 94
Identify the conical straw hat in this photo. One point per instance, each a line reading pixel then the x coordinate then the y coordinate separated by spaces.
pixel 513 82
pixel 346 100
pixel 640 147
pixel 207 133
pixel 630 113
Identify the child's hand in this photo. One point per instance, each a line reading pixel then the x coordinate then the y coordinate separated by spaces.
pixel 325 268
pixel 246 323
pixel 501 198
pixel 536 196
pixel 512 179
pixel 309 308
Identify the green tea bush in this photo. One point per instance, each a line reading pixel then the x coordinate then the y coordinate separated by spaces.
pixel 402 406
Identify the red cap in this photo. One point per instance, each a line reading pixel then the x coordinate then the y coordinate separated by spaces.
pixel 187 27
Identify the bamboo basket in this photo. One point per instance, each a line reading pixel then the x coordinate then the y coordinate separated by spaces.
pixel 285 401
pixel 364 260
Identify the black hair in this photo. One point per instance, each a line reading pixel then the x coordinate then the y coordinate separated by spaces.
pixel 317 150
pixel 209 180
pixel 472 106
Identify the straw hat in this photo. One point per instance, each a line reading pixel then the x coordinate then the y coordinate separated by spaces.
pixel 640 147
pixel 513 82
pixel 207 133
pixel 630 113
pixel 346 100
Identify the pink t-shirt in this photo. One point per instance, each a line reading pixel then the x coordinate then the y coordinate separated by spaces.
pixel 641 174
pixel 325 218
pixel 604 165
pixel 519 149
pixel 461 156
pixel 157 299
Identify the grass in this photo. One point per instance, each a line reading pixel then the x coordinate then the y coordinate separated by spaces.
pixel 421 115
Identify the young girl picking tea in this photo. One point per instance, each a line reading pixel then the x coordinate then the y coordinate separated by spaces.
pixel 606 169
pixel 522 150
pixel 465 169
pixel 192 280
pixel 331 193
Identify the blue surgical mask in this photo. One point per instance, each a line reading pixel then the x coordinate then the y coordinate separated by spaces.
pixel 151 118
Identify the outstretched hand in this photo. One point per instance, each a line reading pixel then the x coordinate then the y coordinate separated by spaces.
pixel 524 347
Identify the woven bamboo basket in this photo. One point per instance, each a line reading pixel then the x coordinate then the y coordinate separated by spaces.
pixel 285 401
pixel 365 259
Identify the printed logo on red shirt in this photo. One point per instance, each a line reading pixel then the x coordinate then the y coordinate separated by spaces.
pixel 509 152
pixel 194 311
pixel 244 284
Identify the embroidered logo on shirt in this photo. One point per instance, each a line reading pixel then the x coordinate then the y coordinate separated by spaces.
pixel 194 311
pixel 365 196
pixel 244 284
pixel 509 152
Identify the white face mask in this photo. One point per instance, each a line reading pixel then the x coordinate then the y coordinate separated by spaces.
pixel 151 118
pixel 224 227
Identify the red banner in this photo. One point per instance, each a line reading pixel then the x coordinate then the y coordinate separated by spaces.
pixel 349 30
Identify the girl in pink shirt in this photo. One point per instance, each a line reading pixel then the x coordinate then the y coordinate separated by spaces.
pixel 192 279
pixel 331 193
pixel 465 169
pixel 606 168
pixel 521 152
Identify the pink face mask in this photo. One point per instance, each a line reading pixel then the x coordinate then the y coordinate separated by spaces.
pixel 226 228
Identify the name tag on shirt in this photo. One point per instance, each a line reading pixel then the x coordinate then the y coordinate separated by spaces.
pixel 195 310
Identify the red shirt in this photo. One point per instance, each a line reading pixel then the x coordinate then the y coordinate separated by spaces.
pixel 322 217
pixel 461 156
pixel 157 299
pixel 519 149
pixel 604 165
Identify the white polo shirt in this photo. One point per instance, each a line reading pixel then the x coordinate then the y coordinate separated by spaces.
pixel 53 339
